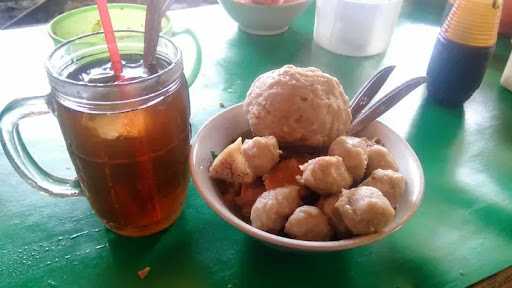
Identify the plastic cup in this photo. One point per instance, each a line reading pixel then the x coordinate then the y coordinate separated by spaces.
pixel 86 20
pixel 473 22
pixel 355 27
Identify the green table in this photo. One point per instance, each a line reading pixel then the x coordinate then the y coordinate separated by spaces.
pixel 461 233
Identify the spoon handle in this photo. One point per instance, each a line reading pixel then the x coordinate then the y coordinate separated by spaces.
pixel 365 95
pixel 151 32
pixel 385 103
pixel 166 6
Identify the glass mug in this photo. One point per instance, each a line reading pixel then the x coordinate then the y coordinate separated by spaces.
pixel 128 141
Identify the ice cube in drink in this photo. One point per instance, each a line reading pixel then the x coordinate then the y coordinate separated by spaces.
pixel 113 126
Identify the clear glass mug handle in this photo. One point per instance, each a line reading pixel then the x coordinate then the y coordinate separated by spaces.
pixel 17 153
pixel 194 72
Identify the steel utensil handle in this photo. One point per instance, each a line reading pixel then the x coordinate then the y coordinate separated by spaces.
pixel 18 154
pixel 365 95
pixel 385 103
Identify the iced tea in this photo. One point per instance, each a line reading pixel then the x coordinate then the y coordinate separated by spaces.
pixel 132 165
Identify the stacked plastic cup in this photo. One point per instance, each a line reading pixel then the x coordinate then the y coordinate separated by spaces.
pixel 448 8
pixel 462 50
pixel 473 22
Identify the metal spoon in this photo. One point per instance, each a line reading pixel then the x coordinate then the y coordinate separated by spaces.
pixel 154 12
pixel 365 95
pixel 385 103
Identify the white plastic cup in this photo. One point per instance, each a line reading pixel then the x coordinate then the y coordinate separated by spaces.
pixel 355 27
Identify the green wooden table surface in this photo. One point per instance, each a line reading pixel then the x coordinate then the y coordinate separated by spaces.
pixel 462 232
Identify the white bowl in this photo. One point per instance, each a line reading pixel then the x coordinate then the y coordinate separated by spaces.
pixel 263 19
pixel 222 129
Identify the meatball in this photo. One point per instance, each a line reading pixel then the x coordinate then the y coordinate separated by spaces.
pixel 299 106
pixel 272 209
pixel 261 153
pixel 326 204
pixel 231 166
pixel 380 158
pixel 310 224
pixel 325 175
pixel 365 210
pixel 353 152
pixel 390 183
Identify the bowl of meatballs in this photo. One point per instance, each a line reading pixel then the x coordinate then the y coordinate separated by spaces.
pixel 282 168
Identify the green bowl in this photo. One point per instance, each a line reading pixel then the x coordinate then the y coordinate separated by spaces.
pixel 86 20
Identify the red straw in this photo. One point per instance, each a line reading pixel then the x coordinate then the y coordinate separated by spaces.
pixel 110 38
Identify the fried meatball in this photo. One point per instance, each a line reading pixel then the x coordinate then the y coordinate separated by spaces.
pixel 272 209
pixel 380 158
pixel 231 166
pixel 353 152
pixel 325 175
pixel 299 106
pixel 365 210
pixel 261 153
pixel 390 183
pixel 326 204
pixel 308 223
